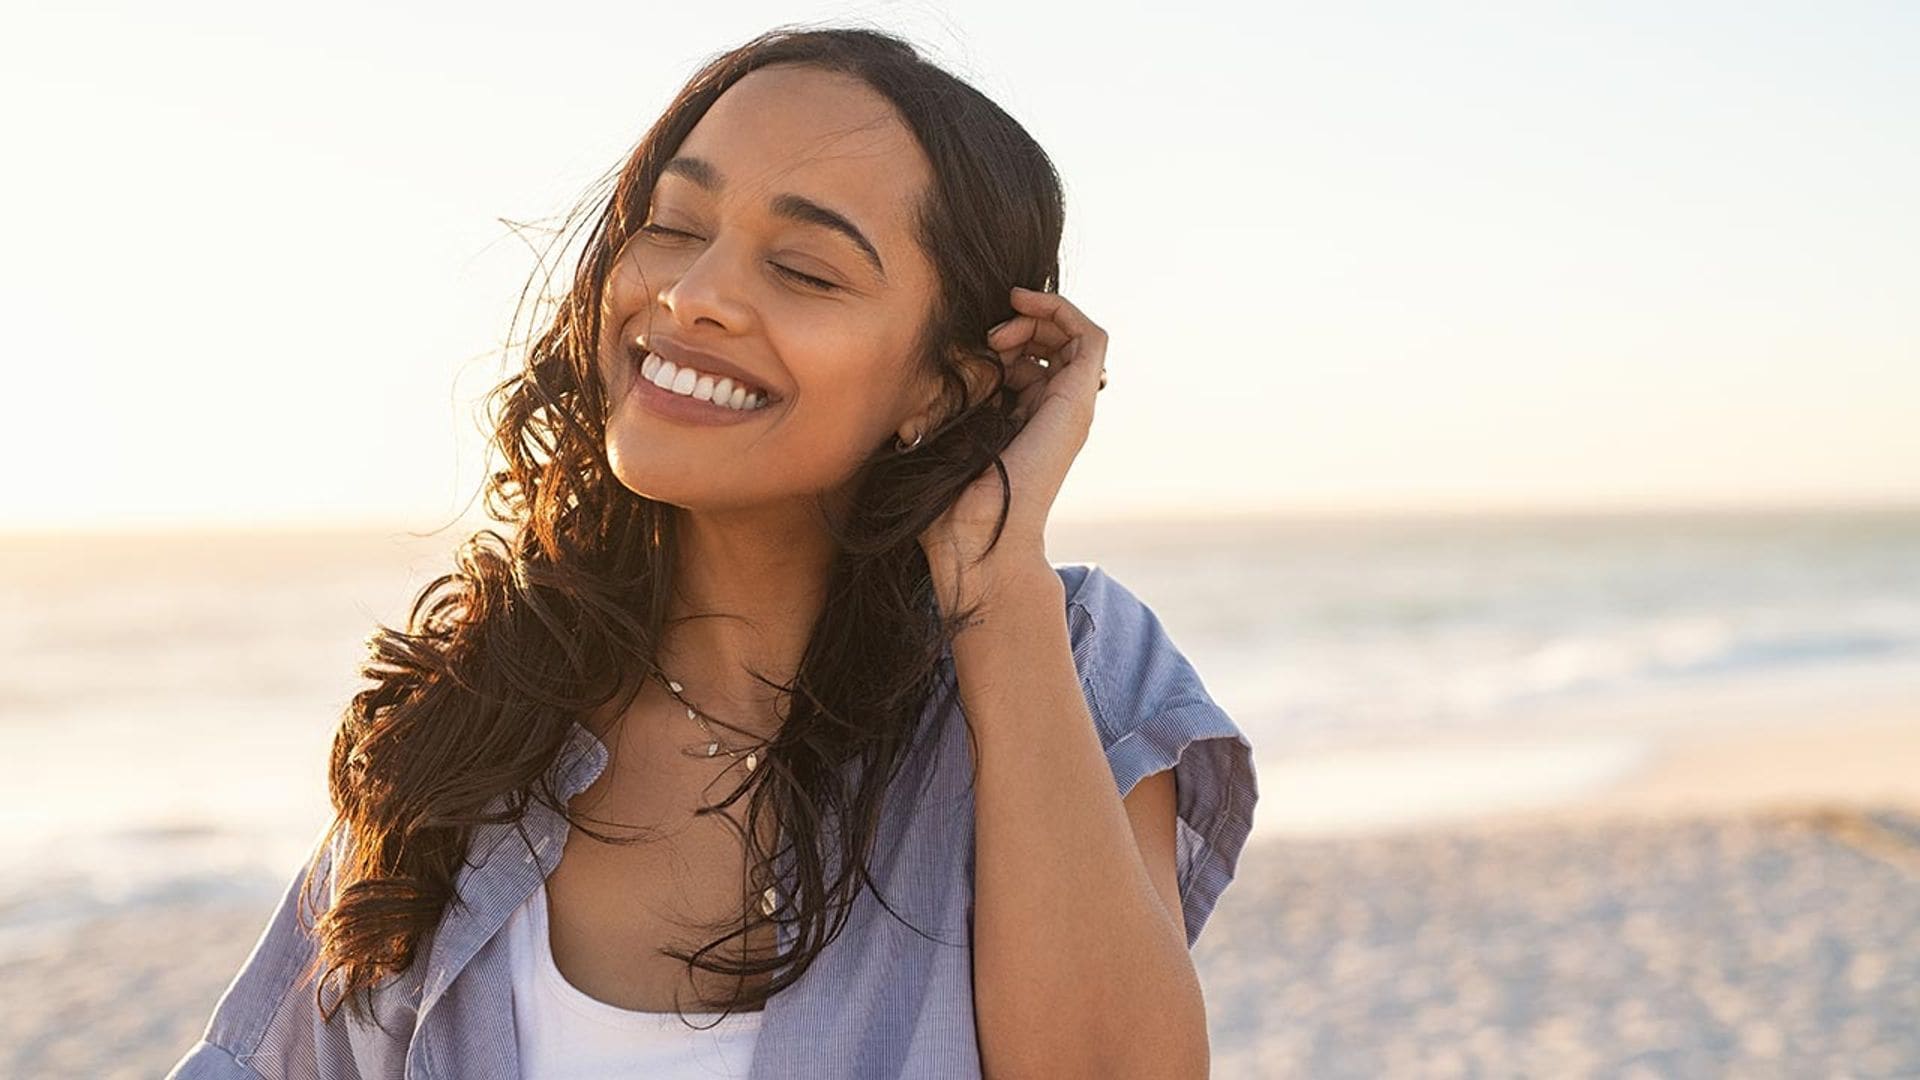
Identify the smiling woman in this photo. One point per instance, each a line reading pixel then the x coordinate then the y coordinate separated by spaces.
pixel 781 248
pixel 778 472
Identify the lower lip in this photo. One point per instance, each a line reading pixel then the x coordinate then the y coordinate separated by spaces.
pixel 687 410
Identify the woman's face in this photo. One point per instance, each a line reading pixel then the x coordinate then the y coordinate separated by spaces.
pixel 763 270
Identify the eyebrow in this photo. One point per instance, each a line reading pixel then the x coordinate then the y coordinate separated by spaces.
pixel 788 205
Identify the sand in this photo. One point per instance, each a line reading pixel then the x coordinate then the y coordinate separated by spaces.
pixel 1738 901
pixel 1748 945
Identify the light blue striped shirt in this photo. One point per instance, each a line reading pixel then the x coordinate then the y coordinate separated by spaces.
pixel 880 1001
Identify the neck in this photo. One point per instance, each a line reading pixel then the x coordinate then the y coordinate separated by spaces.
pixel 748 586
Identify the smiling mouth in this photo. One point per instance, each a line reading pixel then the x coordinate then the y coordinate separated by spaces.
pixel 739 396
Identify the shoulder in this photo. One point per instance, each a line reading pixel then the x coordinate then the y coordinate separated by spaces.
pixel 1128 656
pixel 1154 713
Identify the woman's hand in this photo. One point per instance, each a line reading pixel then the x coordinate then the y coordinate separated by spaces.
pixel 1055 404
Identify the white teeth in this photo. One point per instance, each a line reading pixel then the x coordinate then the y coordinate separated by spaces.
pixel 698 385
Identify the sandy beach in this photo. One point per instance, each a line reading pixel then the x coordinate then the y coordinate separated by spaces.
pixel 1741 902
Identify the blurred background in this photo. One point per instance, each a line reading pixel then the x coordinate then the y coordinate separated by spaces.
pixel 1515 416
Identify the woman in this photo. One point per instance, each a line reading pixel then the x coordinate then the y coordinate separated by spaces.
pixel 773 705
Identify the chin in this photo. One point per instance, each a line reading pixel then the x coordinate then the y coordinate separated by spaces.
pixel 640 467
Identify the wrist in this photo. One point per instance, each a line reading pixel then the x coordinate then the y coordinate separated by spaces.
pixel 997 581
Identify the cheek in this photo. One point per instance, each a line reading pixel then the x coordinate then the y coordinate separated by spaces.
pixel 626 285
pixel 857 359
pixel 843 405
pixel 850 397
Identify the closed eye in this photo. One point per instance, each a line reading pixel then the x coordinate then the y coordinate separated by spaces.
pixel 805 279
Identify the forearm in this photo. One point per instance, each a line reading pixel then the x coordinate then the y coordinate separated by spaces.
pixel 1079 969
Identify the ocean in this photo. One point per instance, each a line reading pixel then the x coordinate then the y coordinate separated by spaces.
pixel 167 700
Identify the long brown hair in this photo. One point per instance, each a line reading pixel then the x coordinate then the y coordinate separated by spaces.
pixel 472 702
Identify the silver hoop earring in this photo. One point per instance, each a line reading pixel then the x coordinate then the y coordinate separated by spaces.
pixel 902 446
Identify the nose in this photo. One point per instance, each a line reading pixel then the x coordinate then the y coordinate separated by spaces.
pixel 704 291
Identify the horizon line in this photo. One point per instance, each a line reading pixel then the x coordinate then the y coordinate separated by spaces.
pixel 1145 515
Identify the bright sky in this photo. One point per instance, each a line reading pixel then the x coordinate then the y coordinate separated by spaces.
pixel 1380 257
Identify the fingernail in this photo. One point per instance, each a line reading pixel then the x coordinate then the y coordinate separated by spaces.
pixel 997 327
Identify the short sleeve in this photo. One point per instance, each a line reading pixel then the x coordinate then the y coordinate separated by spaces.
pixel 1154 713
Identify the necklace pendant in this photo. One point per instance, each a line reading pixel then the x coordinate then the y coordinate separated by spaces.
pixel 768 901
pixel 676 686
pixel 752 760
pixel 713 748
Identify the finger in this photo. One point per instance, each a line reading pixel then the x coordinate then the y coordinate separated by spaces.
pixel 1077 366
pixel 1081 373
pixel 1032 394
pixel 1036 357
pixel 1027 330
pixel 1021 362
pixel 1086 347
pixel 1023 373
pixel 1025 357
pixel 1060 310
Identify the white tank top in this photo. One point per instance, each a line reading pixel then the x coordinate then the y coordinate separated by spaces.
pixel 564 1034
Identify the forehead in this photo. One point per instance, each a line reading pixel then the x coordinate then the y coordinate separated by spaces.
pixel 816 133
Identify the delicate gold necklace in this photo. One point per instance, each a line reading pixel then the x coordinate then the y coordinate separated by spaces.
pixel 714 745
pixel 770 898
